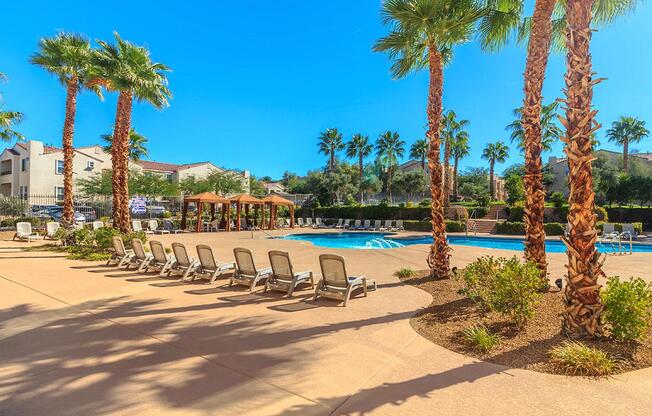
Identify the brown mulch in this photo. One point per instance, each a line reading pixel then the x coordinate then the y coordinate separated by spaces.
pixel 450 313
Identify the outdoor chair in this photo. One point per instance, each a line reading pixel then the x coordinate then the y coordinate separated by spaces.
pixel 246 272
pixel 51 229
pixel 377 226
pixel 283 277
pixel 137 226
pixel 212 226
pixel 336 283
pixel 160 260
pixel 399 226
pixel 609 232
pixel 182 263
pixel 97 225
pixel 120 256
pixel 366 226
pixel 387 226
pixel 338 224
pixel 300 222
pixel 168 225
pixel 357 225
pixel 309 222
pixel 153 227
pixel 208 266
pixel 24 232
pixel 346 224
pixel 140 259
pixel 628 232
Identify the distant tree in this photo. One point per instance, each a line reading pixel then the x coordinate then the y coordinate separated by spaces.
pixel 151 184
pixel 221 183
pixel 359 147
pixel 137 145
pixel 550 130
pixel 369 185
pixel 411 183
pixel 419 151
pixel 389 149
pixel 474 183
pixel 452 131
pixel 460 149
pixel 494 152
pixel 330 142
pixel 256 186
pixel 9 119
pixel 625 131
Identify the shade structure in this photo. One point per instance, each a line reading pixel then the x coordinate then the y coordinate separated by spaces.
pixel 246 201
pixel 275 201
pixel 200 200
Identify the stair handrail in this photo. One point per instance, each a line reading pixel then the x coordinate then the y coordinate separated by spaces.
pixel 472 217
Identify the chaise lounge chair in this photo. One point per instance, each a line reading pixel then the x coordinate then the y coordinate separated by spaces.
pixel 399 226
pixel 339 223
pixel 345 225
pixel 357 225
pixel 182 263
pixel 246 273
pixel 140 258
pixel 387 226
pixel 208 266
pixel 335 282
pixel 377 226
pixel 168 225
pixel 309 222
pixel 97 225
pixel 137 226
pixel 160 261
pixel 366 226
pixel 283 278
pixel 300 222
pixel 51 229
pixel 120 256
pixel 24 232
pixel 153 227
pixel 628 232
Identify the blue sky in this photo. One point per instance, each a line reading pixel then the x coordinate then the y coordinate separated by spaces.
pixel 254 81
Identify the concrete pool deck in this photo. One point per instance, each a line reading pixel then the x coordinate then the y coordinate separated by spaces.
pixel 79 338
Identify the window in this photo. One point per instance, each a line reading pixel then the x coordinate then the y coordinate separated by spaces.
pixel 58 167
pixel 58 193
pixel 24 164
pixel 90 165
pixel 168 176
pixel 22 191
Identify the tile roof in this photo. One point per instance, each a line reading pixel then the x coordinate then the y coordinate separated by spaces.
pixel 166 167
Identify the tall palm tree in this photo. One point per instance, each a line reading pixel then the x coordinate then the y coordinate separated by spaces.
pixel 494 152
pixel 625 131
pixel 68 57
pixel 419 150
pixel 546 27
pixel 129 70
pixel 359 147
pixel 422 35
pixel 330 142
pixel 389 149
pixel 8 119
pixel 451 127
pixel 137 145
pixel 460 149
pixel 550 130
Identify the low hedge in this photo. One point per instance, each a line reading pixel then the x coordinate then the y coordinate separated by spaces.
pixel 635 215
pixel 551 228
pixel 638 226
pixel 551 214
pixel 380 212
pixel 510 228
pixel 451 226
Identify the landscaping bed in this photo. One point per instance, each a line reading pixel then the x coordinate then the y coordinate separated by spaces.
pixel 450 314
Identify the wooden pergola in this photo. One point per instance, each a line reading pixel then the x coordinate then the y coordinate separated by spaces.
pixel 274 201
pixel 246 201
pixel 206 198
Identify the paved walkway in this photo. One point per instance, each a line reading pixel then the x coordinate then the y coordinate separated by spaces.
pixel 81 339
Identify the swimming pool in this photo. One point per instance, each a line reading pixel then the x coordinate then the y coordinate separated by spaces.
pixel 366 241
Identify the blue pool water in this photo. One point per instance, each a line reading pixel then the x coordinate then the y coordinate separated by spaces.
pixel 357 240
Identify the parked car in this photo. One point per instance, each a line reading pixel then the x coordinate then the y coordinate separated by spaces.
pixel 156 210
pixel 57 212
pixel 43 211
pixel 89 212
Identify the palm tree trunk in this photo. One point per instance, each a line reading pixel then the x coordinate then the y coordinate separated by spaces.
pixel 455 166
pixel 331 161
pixel 389 184
pixel 491 180
pixel 423 163
pixel 582 315
pixel 626 155
pixel 447 187
pixel 535 72
pixel 125 212
pixel 68 214
pixel 361 167
pixel 115 161
pixel 438 258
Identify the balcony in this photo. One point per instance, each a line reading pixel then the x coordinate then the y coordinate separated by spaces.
pixel 5 167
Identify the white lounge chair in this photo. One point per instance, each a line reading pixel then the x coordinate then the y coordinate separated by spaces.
pixel 387 226
pixel 628 232
pixel 140 258
pixel 246 272
pixel 318 223
pixel 357 225
pixel 309 222
pixel 366 226
pixel 160 260
pixel 168 225
pixel 137 226
pixel 300 222
pixel 338 224
pixel 346 224
pixel 153 227
pixel 376 226
pixel 51 229
pixel 24 232
pixel 120 255
pixel 283 277
pixel 335 282
pixel 97 225
pixel 399 226
pixel 208 266
pixel 182 263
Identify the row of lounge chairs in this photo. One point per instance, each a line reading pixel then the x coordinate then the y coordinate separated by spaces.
pixel 358 225
pixel 25 232
pixel 280 276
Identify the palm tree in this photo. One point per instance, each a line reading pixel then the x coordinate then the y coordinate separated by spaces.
pixel 137 145
pixel 330 142
pixel 8 119
pixel 68 57
pixel 129 70
pixel 359 147
pixel 550 130
pixel 389 149
pixel 451 127
pixel 460 149
pixel 419 151
pixel 494 152
pixel 625 131
pixel 422 35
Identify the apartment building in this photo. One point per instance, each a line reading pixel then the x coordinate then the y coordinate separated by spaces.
pixel 33 168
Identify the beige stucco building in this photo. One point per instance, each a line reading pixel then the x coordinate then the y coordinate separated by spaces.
pixel 33 168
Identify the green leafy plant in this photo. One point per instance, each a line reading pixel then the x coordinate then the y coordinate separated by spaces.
pixel 558 199
pixel 506 286
pixel 628 307
pixel 404 273
pixel 480 338
pixel 104 236
pixel 578 359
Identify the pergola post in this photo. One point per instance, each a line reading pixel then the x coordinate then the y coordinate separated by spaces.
pixel 212 211
pixel 223 217
pixel 291 216
pixel 238 212
pixel 184 212
pixel 200 207
pixel 227 207
pixel 262 217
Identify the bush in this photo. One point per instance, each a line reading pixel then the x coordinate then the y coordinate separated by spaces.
pixel 104 236
pixel 510 228
pixel 12 206
pixel 404 273
pixel 558 199
pixel 515 213
pixel 643 215
pixel 576 358
pixel 502 285
pixel 32 220
pixel 627 307
pixel 638 227
pixel 480 211
pixel 554 228
pixel 480 338
pixel 602 214
pixel 451 226
pixel 425 203
pixel 134 234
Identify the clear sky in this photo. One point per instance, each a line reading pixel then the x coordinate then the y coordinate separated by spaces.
pixel 255 81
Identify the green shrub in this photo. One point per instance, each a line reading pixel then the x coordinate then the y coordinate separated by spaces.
pixel 134 234
pixel 638 227
pixel 627 307
pixel 558 199
pixel 404 273
pixel 602 214
pixel 502 285
pixel 554 228
pixel 425 203
pixel 425 226
pixel 32 220
pixel 12 206
pixel 86 254
pixel 642 215
pixel 103 237
pixel 578 359
pixel 480 211
pixel 510 228
pixel 480 338
pixel 515 213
